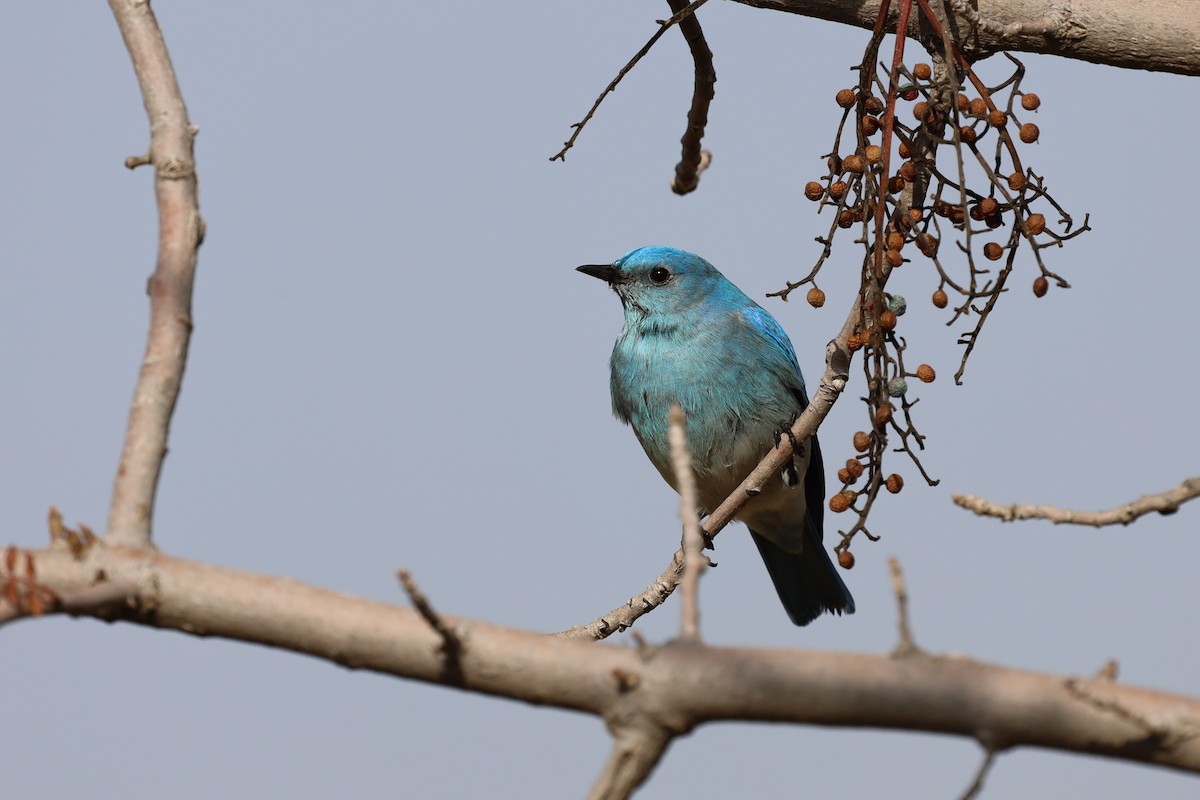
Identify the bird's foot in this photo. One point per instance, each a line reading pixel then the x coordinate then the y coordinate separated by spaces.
pixel 791 475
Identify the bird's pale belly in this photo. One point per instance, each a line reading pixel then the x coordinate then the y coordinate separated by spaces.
pixel 777 512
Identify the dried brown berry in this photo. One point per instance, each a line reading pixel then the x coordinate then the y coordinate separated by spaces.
pixel 1029 132
pixel 874 153
pixel 1016 181
pixel 964 104
pixel 908 170
pixel 956 215
pixel 977 213
pixel 862 440
pixel 839 502
pixel 854 467
pixel 940 299
pixel 896 184
pixel 895 240
pixel 903 149
pixel 883 415
pixel 874 105
pixel 928 245
pixel 894 483
pixel 816 298
pixel 1040 285
pixel 837 189
pixel 856 341
pixel 846 218
pixel 988 206
pixel 894 258
pixel 919 111
pixel 814 190
pixel 978 107
pixel 926 373
pixel 845 98
pixel 915 215
pixel 1035 224
pixel 966 134
pixel 994 221
pixel 843 475
pixel 993 251
pixel 1030 101
pixel 869 126
pixel 997 118
pixel 922 72
pixel 835 164
pixel 846 559
pixel 887 320
pixel 853 163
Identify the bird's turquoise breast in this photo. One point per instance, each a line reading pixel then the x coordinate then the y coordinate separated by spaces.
pixel 730 400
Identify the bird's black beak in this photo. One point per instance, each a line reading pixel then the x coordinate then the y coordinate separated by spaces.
pixel 605 272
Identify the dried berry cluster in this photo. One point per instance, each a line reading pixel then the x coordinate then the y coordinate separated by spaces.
pixel 933 155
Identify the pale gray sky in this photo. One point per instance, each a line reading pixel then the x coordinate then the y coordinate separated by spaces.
pixel 388 277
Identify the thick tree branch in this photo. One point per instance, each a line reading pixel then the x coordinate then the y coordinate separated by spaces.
pixel 1164 503
pixel 1162 35
pixel 180 230
pixel 672 688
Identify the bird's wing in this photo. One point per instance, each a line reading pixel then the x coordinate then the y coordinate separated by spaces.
pixel 814 479
pixel 768 326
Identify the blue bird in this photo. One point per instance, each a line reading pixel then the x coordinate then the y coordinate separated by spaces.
pixel 693 338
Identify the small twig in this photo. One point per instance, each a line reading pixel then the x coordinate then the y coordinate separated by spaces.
pixel 1167 502
pixel 907 645
pixel 452 645
pixel 170 287
pixel 693 161
pixel 681 462
pixel 663 26
pixel 989 757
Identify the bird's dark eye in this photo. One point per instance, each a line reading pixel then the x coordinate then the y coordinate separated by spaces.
pixel 660 275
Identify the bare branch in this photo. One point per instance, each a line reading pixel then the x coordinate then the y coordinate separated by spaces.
pixel 675 687
pixel 663 25
pixel 693 161
pixel 907 646
pixel 180 230
pixel 693 545
pixel 451 643
pixel 1167 502
pixel 976 785
pixel 637 749
pixel 624 615
pixel 1159 36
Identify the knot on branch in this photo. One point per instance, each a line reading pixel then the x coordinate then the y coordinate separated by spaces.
pixel 176 169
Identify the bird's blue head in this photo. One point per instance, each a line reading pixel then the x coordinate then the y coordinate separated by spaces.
pixel 662 280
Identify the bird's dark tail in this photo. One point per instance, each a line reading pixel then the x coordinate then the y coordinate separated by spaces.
pixel 808 584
